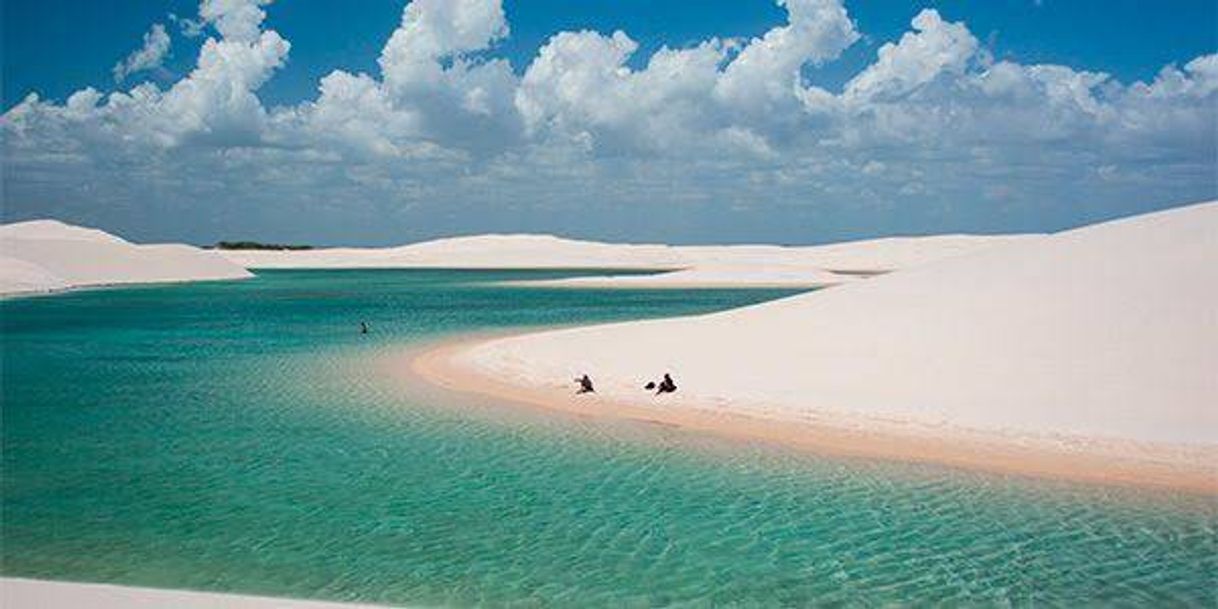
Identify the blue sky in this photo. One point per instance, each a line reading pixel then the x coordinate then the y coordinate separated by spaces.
pixel 818 170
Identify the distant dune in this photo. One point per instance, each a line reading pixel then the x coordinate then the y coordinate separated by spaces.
pixel 698 266
pixel 759 275
pixel 48 255
pixel 1107 332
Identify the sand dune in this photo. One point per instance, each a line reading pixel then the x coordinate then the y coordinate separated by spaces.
pixel 1105 332
pixel 30 594
pixel 47 255
pixel 707 276
pixel 698 266
pixel 17 276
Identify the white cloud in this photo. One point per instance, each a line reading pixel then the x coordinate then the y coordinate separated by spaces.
pixel 736 94
pixel 432 30
pixel 217 99
pixel 579 87
pixel 934 47
pixel 764 77
pixel 190 28
pixel 433 100
pixel 236 20
pixel 147 57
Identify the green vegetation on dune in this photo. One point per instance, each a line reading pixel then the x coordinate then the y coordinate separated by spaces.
pixel 254 245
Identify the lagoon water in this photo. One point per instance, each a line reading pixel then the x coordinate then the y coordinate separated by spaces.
pixel 241 437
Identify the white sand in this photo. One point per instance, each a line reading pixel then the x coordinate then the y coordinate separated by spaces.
pixel 37 594
pixel 698 266
pixel 47 255
pixel 484 251
pixel 1105 332
pixel 17 276
pixel 708 276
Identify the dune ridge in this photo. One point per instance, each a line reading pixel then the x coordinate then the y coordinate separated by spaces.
pixel 48 255
pixel 759 275
pixel 690 266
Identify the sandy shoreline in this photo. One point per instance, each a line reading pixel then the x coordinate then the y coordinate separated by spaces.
pixel 21 593
pixel 1087 354
pixel 1184 468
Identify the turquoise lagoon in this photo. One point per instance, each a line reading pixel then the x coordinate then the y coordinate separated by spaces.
pixel 243 437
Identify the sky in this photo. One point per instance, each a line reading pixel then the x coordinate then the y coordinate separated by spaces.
pixel 799 121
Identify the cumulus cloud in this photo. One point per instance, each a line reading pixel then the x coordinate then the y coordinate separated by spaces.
pixel 432 30
pixel 579 88
pixel 764 77
pixel 934 47
pixel 737 94
pixel 236 20
pixel 433 97
pixel 147 57
pixel 922 136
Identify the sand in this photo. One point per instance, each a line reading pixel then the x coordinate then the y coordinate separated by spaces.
pixel 47 255
pixel 29 594
pixel 1100 337
pixel 693 266
pixel 709 276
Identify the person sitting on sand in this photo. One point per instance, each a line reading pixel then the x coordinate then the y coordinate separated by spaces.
pixel 585 385
pixel 666 386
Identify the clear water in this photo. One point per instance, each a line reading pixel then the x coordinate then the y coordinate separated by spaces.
pixel 236 437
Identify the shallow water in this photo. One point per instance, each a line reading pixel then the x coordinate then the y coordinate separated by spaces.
pixel 236 437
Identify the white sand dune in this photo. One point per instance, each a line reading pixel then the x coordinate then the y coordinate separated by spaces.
pixel 707 276
pixel 48 255
pixel 18 593
pixel 483 251
pixel 1106 332
pixel 701 266
pixel 791 267
pixel 546 251
pixel 867 256
pixel 17 276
